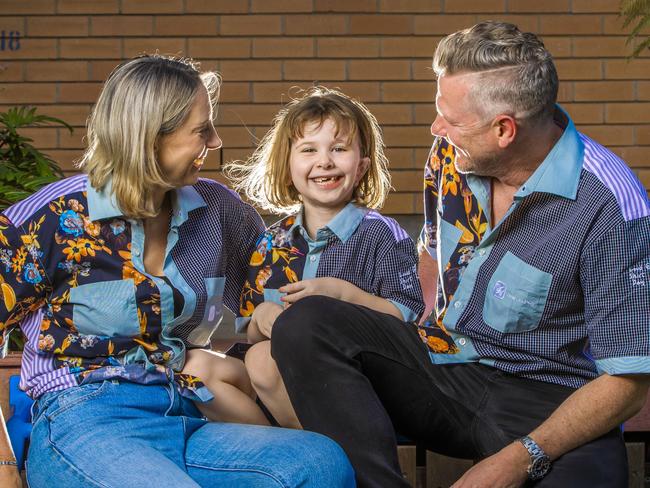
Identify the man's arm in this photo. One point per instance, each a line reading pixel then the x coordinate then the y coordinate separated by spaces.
pixel 428 273
pixel 588 413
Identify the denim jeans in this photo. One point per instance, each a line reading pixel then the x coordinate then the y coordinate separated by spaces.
pixel 118 434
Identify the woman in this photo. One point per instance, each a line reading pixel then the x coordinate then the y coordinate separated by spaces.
pixel 112 275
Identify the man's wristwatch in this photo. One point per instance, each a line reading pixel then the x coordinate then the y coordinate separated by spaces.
pixel 540 463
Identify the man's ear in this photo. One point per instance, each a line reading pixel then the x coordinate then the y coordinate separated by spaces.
pixel 505 129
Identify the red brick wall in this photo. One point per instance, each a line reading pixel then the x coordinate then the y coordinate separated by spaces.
pixel 377 50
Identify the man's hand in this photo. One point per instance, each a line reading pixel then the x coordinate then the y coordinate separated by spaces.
pixel 9 477
pixel 263 319
pixel 508 468
pixel 331 287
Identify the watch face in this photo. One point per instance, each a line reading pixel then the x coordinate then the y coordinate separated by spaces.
pixel 540 466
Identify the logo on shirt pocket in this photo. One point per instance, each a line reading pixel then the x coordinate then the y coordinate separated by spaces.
pixel 499 290
pixel 516 296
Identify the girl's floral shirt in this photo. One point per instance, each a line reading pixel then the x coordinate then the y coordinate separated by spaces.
pixel 72 277
pixel 358 245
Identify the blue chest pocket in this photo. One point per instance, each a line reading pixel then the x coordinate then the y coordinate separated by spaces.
pixel 516 296
pixel 213 312
pixel 106 308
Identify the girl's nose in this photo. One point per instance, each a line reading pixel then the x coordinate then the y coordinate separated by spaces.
pixel 325 161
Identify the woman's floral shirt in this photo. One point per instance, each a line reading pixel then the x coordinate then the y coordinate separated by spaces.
pixel 72 277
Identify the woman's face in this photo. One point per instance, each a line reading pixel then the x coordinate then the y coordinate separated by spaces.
pixel 182 153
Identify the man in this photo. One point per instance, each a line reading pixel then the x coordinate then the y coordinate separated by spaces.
pixel 536 251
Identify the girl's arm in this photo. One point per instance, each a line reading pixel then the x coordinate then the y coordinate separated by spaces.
pixel 340 289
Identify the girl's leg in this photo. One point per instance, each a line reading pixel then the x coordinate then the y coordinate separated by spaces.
pixel 268 384
pixel 228 381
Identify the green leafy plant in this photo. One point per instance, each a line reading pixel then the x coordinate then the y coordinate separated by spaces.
pixel 637 13
pixel 23 168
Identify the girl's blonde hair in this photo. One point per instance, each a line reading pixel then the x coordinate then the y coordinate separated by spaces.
pixel 265 178
pixel 142 100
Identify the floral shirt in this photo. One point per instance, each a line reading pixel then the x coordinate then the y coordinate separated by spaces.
pixel 72 277
pixel 448 202
pixel 557 290
pixel 358 245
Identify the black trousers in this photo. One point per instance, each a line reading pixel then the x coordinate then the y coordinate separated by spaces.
pixel 359 376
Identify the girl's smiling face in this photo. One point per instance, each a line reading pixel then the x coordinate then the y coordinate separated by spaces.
pixel 326 167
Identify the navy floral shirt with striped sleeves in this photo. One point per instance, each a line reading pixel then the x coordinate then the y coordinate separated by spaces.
pixel 72 278
pixel 559 289
pixel 358 245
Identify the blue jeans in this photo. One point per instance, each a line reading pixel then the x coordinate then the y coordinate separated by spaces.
pixel 115 434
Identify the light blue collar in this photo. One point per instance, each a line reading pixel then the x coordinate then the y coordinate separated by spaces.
pixel 559 173
pixel 342 225
pixel 184 200
pixel 102 204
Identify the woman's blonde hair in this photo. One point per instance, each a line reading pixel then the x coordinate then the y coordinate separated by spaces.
pixel 265 178
pixel 142 100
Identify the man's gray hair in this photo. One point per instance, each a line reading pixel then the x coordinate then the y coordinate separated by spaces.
pixel 515 72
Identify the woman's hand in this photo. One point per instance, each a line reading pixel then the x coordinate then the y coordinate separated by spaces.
pixel 330 287
pixel 262 320
pixel 10 477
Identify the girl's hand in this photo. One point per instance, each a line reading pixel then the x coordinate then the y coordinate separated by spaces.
pixel 264 317
pixel 331 287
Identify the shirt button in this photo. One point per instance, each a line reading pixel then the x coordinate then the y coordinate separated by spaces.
pixel 458 304
pixel 136 252
pixel 462 341
pixel 481 252
pixel 312 258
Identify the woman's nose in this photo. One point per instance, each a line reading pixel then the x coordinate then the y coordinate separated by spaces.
pixel 214 141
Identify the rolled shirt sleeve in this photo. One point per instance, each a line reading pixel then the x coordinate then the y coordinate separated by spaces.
pixel 615 275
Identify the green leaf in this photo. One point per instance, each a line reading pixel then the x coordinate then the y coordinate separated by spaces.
pixel 24 168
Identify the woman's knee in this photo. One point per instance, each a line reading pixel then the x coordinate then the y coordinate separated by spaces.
pixel 334 468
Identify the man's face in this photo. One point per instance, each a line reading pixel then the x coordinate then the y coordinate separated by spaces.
pixel 464 126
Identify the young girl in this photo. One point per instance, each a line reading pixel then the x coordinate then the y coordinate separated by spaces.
pixel 323 163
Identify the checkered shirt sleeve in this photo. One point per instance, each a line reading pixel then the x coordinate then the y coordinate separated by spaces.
pixel 615 275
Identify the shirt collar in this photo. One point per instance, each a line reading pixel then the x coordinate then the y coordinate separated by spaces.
pixel 559 173
pixel 184 200
pixel 342 225
pixel 102 204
